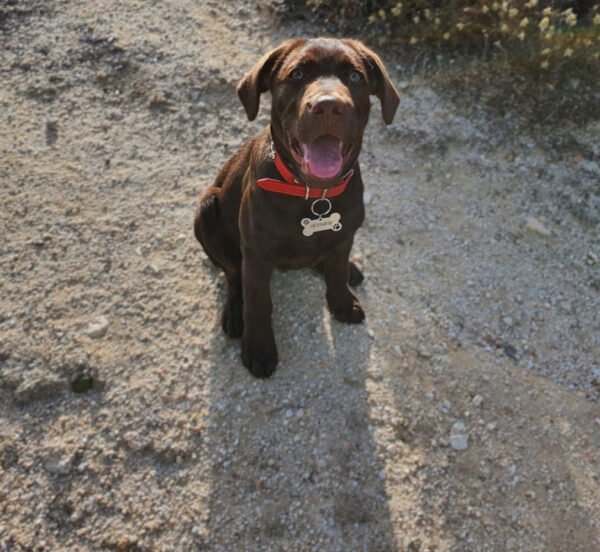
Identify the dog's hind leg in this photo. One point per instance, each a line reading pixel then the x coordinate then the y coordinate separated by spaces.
pixel 225 253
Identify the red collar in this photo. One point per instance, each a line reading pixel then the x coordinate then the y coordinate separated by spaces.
pixel 292 186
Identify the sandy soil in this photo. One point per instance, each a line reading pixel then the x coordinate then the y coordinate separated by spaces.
pixel 481 255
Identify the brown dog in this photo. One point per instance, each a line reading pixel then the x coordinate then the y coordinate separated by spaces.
pixel 292 196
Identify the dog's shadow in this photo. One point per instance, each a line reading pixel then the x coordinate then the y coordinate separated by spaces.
pixel 293 457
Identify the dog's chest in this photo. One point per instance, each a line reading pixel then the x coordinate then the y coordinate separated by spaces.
pixel 303 239
pixel 307 252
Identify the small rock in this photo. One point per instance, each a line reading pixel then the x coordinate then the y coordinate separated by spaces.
pixel 566 306
pixel 414 546
pixel 534 225
pixel 38 385
pixel 367 197
pixel 459 437
pixel 97 328
pixel 61 465
pixel 510 351
pixel 477 400
pixel 52 125
pixel 446 406
pixel 423 353
pixel 158 100
pixel 153 270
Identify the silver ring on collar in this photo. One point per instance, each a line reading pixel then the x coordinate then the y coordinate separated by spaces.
pixel 327 206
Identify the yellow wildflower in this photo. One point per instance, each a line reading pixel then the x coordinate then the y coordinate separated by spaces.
pixel 372 18
pixel 460 26
pixel 568 52
pixel 485 9
pixel 416 19
pixel 532 3
pixel 524 22
pixel 382 14
pixel 521 36
pixel 512 12
pixel 436 21
pixel 587 42
pixel 544 24
pixel 413 40
pixel 596 19
pixel 545 51
pixel 547 11
pixel 504 27
pixel 571 19
pixel 397 9
pixel 446 36
pixel 544 64
pixel 495 6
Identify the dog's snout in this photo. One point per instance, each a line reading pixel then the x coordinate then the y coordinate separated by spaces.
pixel 327 105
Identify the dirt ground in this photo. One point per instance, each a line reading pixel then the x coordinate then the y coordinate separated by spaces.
pixel 481 254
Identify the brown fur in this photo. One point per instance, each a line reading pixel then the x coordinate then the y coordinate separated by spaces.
pixel 248 231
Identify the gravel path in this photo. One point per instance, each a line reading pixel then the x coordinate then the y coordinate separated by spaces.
pixel 463 416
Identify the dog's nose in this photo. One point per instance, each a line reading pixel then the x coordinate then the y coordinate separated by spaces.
pixel 327 105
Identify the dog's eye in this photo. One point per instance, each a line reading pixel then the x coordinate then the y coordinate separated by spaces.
pixel 356 76
pixel 297 74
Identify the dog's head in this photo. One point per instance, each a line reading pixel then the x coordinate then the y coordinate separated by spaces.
pixel 320 92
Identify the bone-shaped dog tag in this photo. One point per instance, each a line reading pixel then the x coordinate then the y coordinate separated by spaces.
pixel 332 222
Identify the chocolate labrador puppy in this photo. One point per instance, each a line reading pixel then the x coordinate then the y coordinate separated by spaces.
pixel 292 196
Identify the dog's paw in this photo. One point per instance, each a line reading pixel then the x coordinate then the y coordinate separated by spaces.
pixel 232 319
pixel 355 275
pixel 260 361
pixel 354 315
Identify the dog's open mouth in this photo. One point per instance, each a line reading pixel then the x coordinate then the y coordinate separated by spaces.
pixel 321 159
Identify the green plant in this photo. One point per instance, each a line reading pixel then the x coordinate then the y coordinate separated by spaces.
pixel 542 48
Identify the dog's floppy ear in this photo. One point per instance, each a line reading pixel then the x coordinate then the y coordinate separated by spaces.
pixel 258 79
pixel 381 85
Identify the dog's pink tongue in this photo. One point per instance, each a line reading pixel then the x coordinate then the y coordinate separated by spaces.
pixel 323 157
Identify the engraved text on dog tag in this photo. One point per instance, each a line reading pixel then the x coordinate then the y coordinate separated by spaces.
pixel 332 222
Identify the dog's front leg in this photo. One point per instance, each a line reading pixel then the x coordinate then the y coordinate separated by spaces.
pixel 259 352
pixel 342 302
